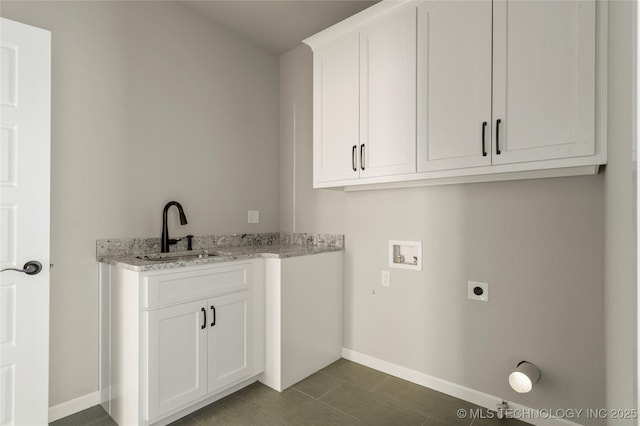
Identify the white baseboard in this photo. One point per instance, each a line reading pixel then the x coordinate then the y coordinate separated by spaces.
pixel 470 395
pixel 71 407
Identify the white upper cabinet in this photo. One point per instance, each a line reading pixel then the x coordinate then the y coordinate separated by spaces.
pixel 454 85
pixel 336 103
pixel 446 91
pixel 365 101
pixel 543 65
pixel 388 95
pixel 543 79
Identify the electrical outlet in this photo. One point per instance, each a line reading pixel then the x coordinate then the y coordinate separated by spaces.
pixel 385 278
pixel 254 216
pixel 478 291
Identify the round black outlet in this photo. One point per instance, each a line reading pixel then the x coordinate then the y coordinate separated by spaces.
pixel 478 291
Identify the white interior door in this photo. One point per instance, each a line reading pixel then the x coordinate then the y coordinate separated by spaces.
pixel 25 89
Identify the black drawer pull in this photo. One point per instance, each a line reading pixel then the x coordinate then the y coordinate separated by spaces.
pixel 204 323
pixel 213 309
pixel 353 158
pixel 498 121
pixel 484 131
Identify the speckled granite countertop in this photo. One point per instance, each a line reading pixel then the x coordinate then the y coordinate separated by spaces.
pixel 281 246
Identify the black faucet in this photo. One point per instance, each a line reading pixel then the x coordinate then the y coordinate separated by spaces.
pixel 165 240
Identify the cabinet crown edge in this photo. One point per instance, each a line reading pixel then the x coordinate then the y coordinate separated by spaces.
pixel 353 22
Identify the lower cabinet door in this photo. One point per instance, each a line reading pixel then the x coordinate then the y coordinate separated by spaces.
pixel 230 339
pixel 176 357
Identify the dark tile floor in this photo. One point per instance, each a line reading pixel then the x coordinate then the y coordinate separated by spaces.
pixel 344 393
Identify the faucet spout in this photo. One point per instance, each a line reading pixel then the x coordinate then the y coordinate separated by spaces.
pixel 165 241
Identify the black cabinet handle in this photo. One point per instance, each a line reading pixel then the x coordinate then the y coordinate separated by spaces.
pixel 353 158
pixel 484 131
pixel 213 309
pixel 498 121
pixel 204 323
pixel 362 156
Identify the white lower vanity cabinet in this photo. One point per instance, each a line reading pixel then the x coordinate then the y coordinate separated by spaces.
pixel 304 316
pixel 174 340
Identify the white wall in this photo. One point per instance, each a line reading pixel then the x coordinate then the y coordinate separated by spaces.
pixel 150 103
pixel 538 243
pixel 620 257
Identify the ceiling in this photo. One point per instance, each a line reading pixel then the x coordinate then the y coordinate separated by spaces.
pixel 277 25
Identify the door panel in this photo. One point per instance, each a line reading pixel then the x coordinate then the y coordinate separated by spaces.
pixel 544 79
pixel 177 357
pixel 25 87
pixel 388 95
pixel 454 84
pixel 336 109
pixel 229 339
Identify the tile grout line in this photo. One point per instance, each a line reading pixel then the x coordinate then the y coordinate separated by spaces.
pixel 260 409
pixel 398 405
pixel 313 397
pixel 329 405
pixel 373 391
pixel 330 390
pixel 264 413
pixel 380 384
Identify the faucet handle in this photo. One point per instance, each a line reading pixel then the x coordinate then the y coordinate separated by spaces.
pixel 189 242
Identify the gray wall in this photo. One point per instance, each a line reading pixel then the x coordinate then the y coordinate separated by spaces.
pixel 538 243
pixel 150 103
pixel 620 214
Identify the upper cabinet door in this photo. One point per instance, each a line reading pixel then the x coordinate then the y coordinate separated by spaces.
pixel 336 137
pixel 543 80
pixel 454 85
pixel 388 95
